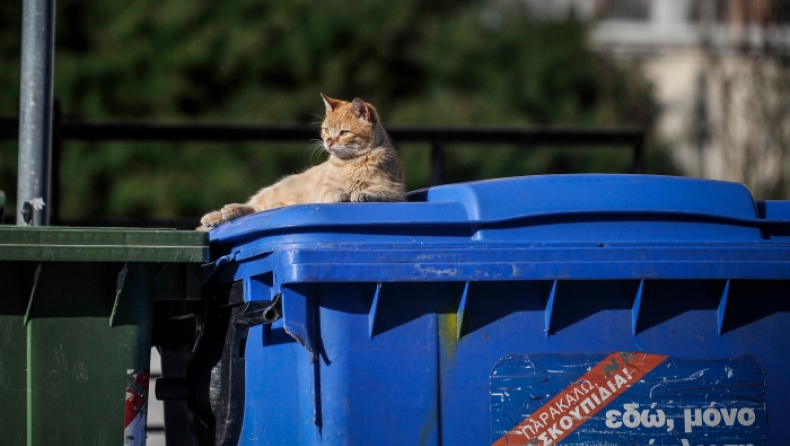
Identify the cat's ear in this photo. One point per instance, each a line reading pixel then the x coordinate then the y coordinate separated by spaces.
pixel 360 110
pixel 330 103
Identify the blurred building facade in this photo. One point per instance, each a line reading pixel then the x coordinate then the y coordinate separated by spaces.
pixel 721 73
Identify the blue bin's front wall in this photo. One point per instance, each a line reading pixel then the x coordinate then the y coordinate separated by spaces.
pixel 395 314
pixel 391 370
pixel 368 390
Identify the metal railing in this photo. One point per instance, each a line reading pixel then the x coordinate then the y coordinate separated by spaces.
pixel 436 137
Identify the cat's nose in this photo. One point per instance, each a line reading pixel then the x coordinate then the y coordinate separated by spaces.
pixel 329 142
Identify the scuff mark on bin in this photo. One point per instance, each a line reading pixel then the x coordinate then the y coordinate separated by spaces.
pixel 437 272
pixel 665 382
pixel 82 371
pixel 295 319
pixel 299 333
pixel 29 311
pixel 119 285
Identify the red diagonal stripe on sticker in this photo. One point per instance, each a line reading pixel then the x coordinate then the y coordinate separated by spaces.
pixel 572 407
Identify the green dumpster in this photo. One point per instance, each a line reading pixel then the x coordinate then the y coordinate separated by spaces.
pixel 75 328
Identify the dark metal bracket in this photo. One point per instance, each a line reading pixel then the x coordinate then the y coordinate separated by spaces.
pixel 259 313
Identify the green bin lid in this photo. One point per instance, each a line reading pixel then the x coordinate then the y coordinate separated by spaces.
pixel 66 244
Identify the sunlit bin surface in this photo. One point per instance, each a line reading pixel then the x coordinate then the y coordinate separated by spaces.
pixel 579 309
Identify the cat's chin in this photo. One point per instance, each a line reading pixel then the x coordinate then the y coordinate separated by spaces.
pixel 344 153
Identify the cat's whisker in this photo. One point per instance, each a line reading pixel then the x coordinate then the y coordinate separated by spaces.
pixel 316 147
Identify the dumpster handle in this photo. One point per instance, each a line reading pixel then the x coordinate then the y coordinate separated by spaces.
pixel 640 214
pixel 598 214
pixel 259 313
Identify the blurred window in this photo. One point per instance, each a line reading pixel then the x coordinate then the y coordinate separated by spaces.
pixel 629 10
pixel 753 12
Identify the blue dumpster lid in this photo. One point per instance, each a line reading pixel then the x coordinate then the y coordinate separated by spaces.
pixel 545 200
pixel 515 218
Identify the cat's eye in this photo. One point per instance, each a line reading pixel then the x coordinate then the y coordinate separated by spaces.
pixel 343 132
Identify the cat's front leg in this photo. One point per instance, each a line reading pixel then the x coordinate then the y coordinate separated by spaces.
pixel 334 196
pixel 227 213
pixel 212 219
pixel 359 196
pixel 235 210
pixel 381 193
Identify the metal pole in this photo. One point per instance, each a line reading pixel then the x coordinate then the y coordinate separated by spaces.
pixel 35 111
pixel 53 205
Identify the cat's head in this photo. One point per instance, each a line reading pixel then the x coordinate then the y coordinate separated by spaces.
pixel 350 129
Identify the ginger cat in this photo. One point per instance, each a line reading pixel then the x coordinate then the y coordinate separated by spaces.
pixel 362 166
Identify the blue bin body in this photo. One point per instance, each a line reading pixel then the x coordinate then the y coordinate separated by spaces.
pixel 403 322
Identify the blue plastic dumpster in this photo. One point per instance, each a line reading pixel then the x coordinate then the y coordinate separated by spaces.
pixel 578 309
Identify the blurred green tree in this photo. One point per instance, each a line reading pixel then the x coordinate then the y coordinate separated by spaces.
pixel 248 61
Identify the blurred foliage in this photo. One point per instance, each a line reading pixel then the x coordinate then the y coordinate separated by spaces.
pixel 418 61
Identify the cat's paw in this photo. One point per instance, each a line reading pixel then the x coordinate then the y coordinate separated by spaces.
pixel 360 196
pixel 234 211
pixel 335 196
pixel 212 219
